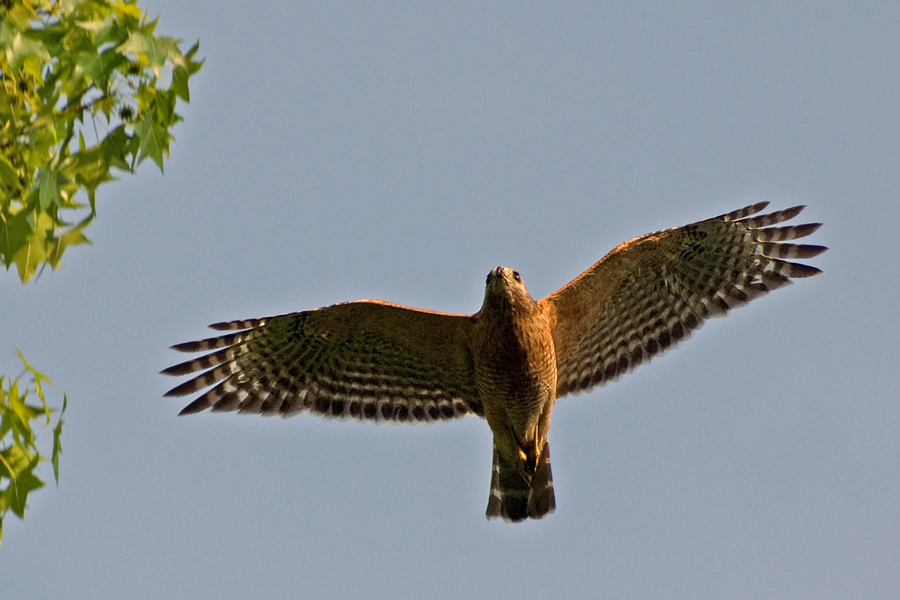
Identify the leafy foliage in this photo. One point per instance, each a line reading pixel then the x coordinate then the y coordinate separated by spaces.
pixel 19 453
pixel 64 63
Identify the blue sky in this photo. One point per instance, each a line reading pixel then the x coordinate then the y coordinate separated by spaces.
pixel 399 150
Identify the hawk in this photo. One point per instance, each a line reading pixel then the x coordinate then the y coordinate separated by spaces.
pixel 508 362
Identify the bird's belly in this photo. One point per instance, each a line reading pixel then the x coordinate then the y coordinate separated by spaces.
pixel 516 382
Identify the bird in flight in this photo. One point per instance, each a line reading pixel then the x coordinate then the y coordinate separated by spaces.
pixel 508 362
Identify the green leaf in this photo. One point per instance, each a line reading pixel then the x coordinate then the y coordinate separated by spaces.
pixel 24 412
pixel 39 378
pixel 35 250
pixel 14 233
pixel 41 139
pixel 154 141
pixel 49 190
pixel 180 83
pixel 57 445
pixel 72 237
pixel 99 67
pixel 28 258
pixel 19 454
pixel 22 48
pixel 63 64
pixel 192 65
pixel 88 65
pixel 6 469
pixel 114 148
pixel 155 49
pixel 73 39
pixel 105 31
pixel 8 175
pixel 130 9
pixel 110 60
pixel 22 480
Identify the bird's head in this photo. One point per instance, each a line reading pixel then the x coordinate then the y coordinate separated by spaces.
pixel 505 290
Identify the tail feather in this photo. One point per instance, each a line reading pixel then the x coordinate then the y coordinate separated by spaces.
pixel 541 500
pixel 516 495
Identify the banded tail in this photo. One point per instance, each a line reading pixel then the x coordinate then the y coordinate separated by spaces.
pixel 517 495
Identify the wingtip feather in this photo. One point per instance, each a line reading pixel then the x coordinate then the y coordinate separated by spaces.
pixel 187 347
pixel 799 270
pixel 742 213
pixel 188 387
pixel 198 405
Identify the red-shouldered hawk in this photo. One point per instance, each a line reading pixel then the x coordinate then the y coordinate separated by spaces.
pixel 370 360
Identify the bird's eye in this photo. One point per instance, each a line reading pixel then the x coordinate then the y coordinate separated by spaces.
pixel 517 277
pixel 488 279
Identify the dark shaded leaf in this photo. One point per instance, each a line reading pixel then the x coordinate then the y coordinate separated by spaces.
pixel 57 444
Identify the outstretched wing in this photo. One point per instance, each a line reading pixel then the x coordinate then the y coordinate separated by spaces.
pixel 363 360
pixel 649 293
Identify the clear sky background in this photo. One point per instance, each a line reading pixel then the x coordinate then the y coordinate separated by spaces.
pixel 400 150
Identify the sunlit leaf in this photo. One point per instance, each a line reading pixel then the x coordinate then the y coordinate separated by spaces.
pixel 35 250
pixel 155 49
pixel 22 48
pixel 24 480
pixel 88 87
pixel 38 378
pixel 19 453
pixel 20 409
pixel 130 9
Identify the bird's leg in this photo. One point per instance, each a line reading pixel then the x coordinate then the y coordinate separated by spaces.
pixel 528 457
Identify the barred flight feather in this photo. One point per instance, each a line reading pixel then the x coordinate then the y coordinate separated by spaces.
pixel 288 364
pixel 690 274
